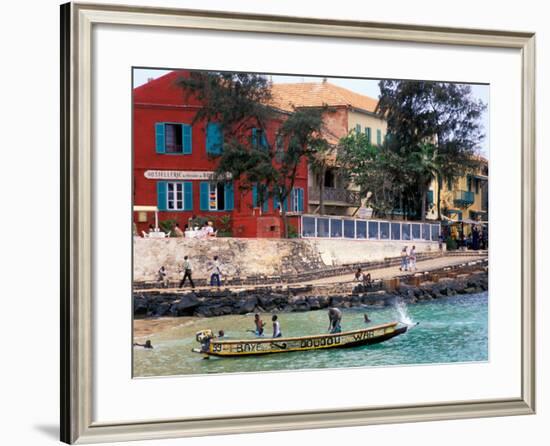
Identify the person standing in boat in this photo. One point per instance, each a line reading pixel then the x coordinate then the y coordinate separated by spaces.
pixel 335 320
pixel 276 327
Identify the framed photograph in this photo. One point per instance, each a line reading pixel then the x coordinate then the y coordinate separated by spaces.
pixel 274 223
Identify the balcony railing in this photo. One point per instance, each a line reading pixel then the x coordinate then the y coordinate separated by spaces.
pixel 464 198
pixel 338 195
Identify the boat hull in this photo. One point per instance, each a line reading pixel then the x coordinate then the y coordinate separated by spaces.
pixel 255 347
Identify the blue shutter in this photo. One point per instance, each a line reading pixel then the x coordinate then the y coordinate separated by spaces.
pixel 378 136
pixel 254 195
pixel 214 138
pixel 265 204
pixel 161 195
pixel 229 196
pixel 285 204
pixel 160 144
pixel 187 138
pixel 263 141
pixel 292 192
pixel 188 196
pixel 300 200
pixel 204 192
pixel 368 134
pixel 275 200
pixel 254 137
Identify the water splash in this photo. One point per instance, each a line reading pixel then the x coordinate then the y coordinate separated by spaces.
pixel 403 313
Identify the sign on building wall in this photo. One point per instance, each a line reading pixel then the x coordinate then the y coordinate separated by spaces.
pixel 181 175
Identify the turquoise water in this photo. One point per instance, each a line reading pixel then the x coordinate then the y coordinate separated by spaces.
pixel 452 329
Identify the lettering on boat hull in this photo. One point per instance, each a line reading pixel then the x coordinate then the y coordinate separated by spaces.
pixel 340 340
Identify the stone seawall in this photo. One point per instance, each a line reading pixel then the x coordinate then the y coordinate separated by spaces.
pixel 242 258
pixel 412 289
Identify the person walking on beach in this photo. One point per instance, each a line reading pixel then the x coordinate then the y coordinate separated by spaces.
pixel 404 259
pixel 216 273
pixel 162 277
pixel 335 320
pixel 412 259
pixel 276 327
pixel 187 271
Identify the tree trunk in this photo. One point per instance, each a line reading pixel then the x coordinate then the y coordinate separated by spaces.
pixel 285 223
pixel 438 181
pixel 423 207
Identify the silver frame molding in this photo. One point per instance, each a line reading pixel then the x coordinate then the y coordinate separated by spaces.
pixel 77 21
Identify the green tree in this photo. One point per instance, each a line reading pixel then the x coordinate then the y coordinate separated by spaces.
pixel 239 103
pixel 434 128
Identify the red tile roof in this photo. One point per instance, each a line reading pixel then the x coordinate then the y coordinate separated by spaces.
pixel 318 94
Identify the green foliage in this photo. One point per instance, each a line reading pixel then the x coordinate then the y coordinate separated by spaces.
pixel 224 226
pixel 292 232
pixel 434 132
pixel 167 226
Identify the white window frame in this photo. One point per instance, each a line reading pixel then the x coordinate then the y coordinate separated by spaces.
pixel 174 200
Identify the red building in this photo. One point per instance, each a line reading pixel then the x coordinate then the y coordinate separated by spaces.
pixel 173 166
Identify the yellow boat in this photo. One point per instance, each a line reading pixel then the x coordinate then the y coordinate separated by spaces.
pixel 211 346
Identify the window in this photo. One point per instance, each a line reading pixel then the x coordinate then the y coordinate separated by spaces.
pixel 260 197
pixel 279 149
pixel 349 228
pixel 322 227
pixel 361 229
pixel 378 136
pixel 297 200
pixel 435 232
pixel 368 134
pixel 259 139
pixel 396 231
pixel 174 196
pixel 214 138
pixel 425 231
pixel 308 227
pixel 416 231
pixel 357 129
pixel 216 196
pixel 173 138
pixel 373 230
pixel 330 180
pixel 335 227
pixel 384 230
pixel 406 231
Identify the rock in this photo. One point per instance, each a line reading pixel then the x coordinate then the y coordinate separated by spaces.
pixel 140 305
pixel 247 305
pixel 185 306
pixel 313 303
pixel 163 309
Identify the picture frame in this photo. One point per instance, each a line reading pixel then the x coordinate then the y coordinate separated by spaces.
pixel 77 78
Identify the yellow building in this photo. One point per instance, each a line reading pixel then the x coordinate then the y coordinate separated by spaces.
pixel 466 199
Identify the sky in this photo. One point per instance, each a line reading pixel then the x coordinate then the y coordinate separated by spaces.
pixel 368 87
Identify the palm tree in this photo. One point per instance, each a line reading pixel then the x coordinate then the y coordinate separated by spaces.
pixel 427 164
